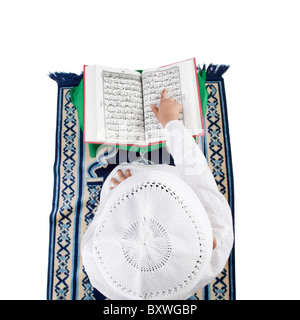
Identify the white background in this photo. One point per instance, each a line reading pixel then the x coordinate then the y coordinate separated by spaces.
pixel 260 41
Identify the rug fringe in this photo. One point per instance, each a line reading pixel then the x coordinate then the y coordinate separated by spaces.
pixel 72 79
pixel 214 70
pixel 66 79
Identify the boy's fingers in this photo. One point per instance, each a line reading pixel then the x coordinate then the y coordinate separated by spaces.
pixel 214 242
pixel 154 109
pixel 164 95
pixel 121 175
pixel 114 181
pixel 128 173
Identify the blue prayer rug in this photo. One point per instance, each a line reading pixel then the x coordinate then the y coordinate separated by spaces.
pixel 78 179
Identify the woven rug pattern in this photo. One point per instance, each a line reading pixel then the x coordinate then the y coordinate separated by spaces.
pixel 78 180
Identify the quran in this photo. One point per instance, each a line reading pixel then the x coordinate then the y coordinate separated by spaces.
pixel 117 102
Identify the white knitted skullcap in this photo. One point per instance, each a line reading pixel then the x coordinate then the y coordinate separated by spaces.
pixel 153 240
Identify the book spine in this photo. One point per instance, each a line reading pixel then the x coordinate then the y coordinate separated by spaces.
pixel 199 98
pixel 84 104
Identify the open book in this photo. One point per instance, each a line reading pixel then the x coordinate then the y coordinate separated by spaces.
pixel 117 102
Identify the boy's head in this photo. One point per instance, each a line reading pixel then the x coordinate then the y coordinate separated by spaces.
pixel 153 240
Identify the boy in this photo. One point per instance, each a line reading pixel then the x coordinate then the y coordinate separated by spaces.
pixel 160 232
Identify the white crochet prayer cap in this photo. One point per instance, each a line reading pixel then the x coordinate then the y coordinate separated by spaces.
pixel 152 240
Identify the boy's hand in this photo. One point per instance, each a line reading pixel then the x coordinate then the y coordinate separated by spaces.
pixel 122 177
pixel 168 110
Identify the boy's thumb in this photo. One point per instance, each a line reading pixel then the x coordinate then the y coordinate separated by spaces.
pixel 154 109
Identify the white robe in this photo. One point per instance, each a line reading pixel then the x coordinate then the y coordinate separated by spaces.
pixel 191 166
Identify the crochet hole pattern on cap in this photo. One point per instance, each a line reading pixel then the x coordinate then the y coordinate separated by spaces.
pixel 147 240
pixel 146 245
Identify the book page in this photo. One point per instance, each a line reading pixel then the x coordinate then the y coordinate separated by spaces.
pixel 91 105
pixel 123 106
pixel 180 79
pixel 153 84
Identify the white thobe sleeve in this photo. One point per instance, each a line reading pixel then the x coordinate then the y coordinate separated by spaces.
pixel 193 169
